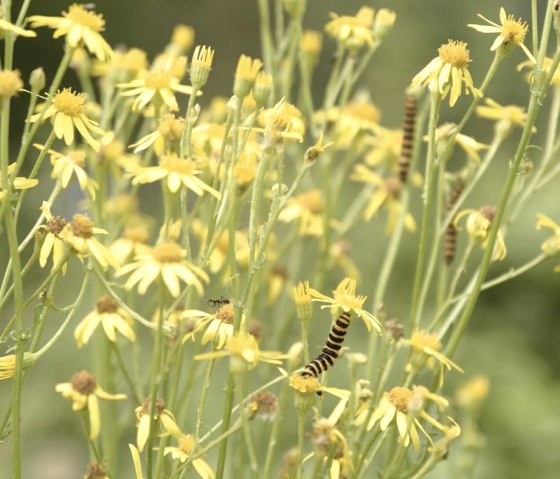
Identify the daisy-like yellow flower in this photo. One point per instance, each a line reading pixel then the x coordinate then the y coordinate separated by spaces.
pixel 471 147
pixel 448 71
pixel 386 195
pixel 405 408
pixel 511 33
pixel 550 246
pixel 52 242
pixel 547 64
pixel 123 65
pixel 282 121
pixel 6 26
pixel 158 85
pixel 353 32
pixel 8 364
pixel 111 317
pixel 506 116
pixel 80 26
pixel 10 83
pixel 441 447
pixel 176 172
pixel 308 209
pixel 132 242
pixel 479 223
pixel 217 327
pixel 69 165
pixel 166 138
pixel 162 417
pixel 165 261
pixel 84 391
pixel 68 111
pixel 345 299
pixel 426 350
pixel 184 449
pixel 113 157
pixel 79 234
pixel 19 182
pixel 244 353
pixel 471 394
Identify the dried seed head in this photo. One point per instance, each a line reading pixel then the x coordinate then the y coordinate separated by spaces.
pixel 106 304
pixel 263 406
pixel 84 383
pixel 82 226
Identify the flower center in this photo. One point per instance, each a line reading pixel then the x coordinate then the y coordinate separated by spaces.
pixel 186 443
pixel 400 397
pixel 423 339
pixel 77 157
pixel 82 226
pixel 225 313
pixel 157 80
pixel 69 103
pixel 78 14
pixel 84 383
pixel 167 253
pixel 55 225
pixel 171 128
pixel 514 31
pixel 456 53
pixel 106 304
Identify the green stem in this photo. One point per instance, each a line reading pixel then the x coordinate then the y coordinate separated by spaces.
pixel 300 438
pixel 127 377
pixel 266 41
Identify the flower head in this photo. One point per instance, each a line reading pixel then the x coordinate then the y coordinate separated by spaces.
pixel 8 364
pixel 550 246
pixel 68 111
pixel 162 417
pixel 19 182
pixel 479 222
pixel 282 121
pixel 84 391
pixel 506 116
pixel 353 32
pixel 547 64
pixel 448 71
pixel 177 172
pixel 308 209
pixel 6 26
pixel 112 318
pixel 263 406
pixel 245 75
pixel 165 261
pixel 80 26
pixel 132 242
pixel 184 449
pixel 201 65
pixel 165 138
pixel 10 83
pixel 449 130
pixel 345 298
pixel 511 33
pixel 52 242
pixel 79 234
pixel 217 326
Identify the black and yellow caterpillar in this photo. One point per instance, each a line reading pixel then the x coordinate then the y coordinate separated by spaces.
pixel 450 238
pixel 410 110
pixel 332 347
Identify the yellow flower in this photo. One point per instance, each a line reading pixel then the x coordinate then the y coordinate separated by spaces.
pixel 201 65
pixel 177 172
pixel 479 223
pixel 425 350
pixel 6 26
pixel 182 38
pixel 245 75
pixel 471 394
pixel 345 298
pixel 79 234
pixel 217 327
pixel 404 407
pixel 508 115
pixel 441 448
pixel 111 317
pixel 8 364
pixel 168 135
pixel 184 450
pixel 546 69
pixel 19 182
pixel 131 243
pixel 386 195
pixel 550 246
pixel 165 261
pixel 384 148
pixel 52 243
pixel 113 157
pixel 80 26
pixel 244 353
pixel 471 147
pixel 65 166
pixel 308 209
pixel 314 151
pixel 136 461
pixel 263 406
pixel 352 32
pixel 282 121
pixel 511 33
pixel 158 85
pixel 307 387
pixel 448 71
pixel 10 83
pixel 162 416
pixel 84 391
pixel 122 65
pixel 68 110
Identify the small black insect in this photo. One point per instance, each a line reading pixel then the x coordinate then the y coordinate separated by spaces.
pixel 215 303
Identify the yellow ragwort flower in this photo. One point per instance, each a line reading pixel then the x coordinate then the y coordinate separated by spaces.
pixel 308 209
pixel 217 326
pixel 162 417
pixel 508 115
pixel 123 65
pixel 165 261
pixel 479 223
pixel 81 26
pixel 550 246
pixel 245 75
pixel 68 111
pixel 166 138
pixel 176 172
pixel 511 33
pixel 353 32
pixel 132 242
pixel 52 242
pixel 111 317
pixel 184 449
pixel 201 65
pixel 345 299
pixel 282 121
pixel 448 71
pixel 448 130
pixel 19 182
pixel 84 391
pixel 79 234
pixel 546 69
pixel 10 83
pixel 8 364
pixel 6 26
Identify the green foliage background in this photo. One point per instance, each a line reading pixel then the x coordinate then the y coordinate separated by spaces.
pixel 513 337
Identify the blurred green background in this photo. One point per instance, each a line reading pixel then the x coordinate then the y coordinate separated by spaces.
pixel 514 334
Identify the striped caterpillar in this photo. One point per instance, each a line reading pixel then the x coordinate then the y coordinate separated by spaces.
pixel 410 110
pixel 450 238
